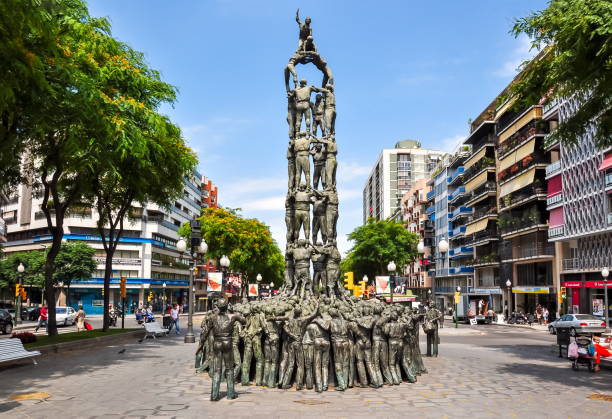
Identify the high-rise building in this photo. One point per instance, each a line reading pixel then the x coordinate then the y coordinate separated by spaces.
pixel 579 198
pixel 210 194
pixel 395 172
pixel 146 254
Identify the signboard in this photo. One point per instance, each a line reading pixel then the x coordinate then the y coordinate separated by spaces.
pixel 486 291
pixel 572 284
pixel 253 290
pixel 531 290
pixel 400 298
pixel 598 307
pixel 594 284
pixel 382 285
pixel 215 281
pixel 473 322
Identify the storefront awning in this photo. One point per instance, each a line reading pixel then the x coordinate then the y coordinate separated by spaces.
pixel 518 183
pixel 523 151
pixel 476 227
pixel 473 159
pixel 607 163
pixel 476 182
pixel 531 290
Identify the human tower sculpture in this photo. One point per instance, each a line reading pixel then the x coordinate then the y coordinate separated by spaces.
pixel 312 333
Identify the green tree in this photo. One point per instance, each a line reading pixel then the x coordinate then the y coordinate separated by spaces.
pixel 246 242
pixel 74 262
pixel 575 37
pixel 377 243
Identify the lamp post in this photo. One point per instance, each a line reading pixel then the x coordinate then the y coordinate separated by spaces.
pixel 509 303
pixel 270 289
pixel 456 300
pixel 225 263
pixel 391 268
pixel 258 278
pixel 20 270
pixel 365 281
pixel 164 297
pixel 605 273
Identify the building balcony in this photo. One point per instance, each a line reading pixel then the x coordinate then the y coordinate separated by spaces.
pixel 430 194
pixel 483 237
pixel 483 261
pixel 512 226
pixel 458 173
pixel 592 264
pixel 486 163
pixel 483 191
pixel 522 197
pixel 531 251
pixel 520 167
pixel 458 192
pixel 553 169
pixel 461 270
pixel 550 106
pixel 556 232
pixel 459 212
pixel 554 201
pixel 532 129
pixel 460 251
pixel 459 231
pixel 430 210
pixel 483 212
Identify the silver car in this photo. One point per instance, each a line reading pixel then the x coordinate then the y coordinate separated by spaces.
pixel 579 323
pixel 65 316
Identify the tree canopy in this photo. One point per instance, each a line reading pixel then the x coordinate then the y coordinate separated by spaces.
pixel 377 243
pixel 247 242
pixel 575 37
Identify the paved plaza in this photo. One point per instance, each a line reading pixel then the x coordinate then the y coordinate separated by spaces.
pixel 488 371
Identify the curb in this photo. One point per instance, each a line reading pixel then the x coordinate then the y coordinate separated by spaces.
pixel 520 326
pixel 86 343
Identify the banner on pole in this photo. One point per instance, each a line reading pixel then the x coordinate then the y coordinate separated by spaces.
pixel 382 285
pixel 253 290
pixel 215 281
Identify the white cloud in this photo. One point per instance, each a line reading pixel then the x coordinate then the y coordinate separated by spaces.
pixel 520 53
pixel 348 171
pixel 215 130
pixel 238 190
pixel 272 203
pixel 346 194
pixel 450 144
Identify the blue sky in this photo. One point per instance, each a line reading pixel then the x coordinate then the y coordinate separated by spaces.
pixel 402 69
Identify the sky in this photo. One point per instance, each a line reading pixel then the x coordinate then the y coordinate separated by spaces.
pixel 402 69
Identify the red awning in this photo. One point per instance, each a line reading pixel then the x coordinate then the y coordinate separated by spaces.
pixel 607 163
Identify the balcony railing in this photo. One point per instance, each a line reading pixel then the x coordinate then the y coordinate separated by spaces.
pixel 460 211
pixel 531 250
pixel 481 212
pixel 550 105
pixel 457 232
pixel 517 224
pixel 458 192
pixel 556 231
pixel 430 194
pixel 484 163
pixel 521 196
pixel 483 260
pixel 456 174
pixel 458 270
pixel 520 137
pixel 486 234
pixel 521 166
pixel 555 199
pixel 461 251
pixel 587 263
pixel 553 168
pixel 119 261
pixel 430 210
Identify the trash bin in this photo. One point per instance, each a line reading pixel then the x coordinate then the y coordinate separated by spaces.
pixel 563 338
pixel 166 321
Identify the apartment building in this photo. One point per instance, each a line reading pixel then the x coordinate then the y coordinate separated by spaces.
pixel 395 172
pixel 146 254
pixel 210 194
pixel 412 214
pixel 579 198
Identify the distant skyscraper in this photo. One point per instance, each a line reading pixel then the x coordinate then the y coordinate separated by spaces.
pixel 395 172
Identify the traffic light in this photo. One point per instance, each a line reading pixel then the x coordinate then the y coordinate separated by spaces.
pixel 122 286
pixel 22 293
pixel 563 293
pixel 18 290
pixel 349 282
pixel 196 234
pixel 102 291
pixel 150 297
pixel 360 289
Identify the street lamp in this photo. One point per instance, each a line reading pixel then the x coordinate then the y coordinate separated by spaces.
pixel 225 263
pixel 20 270
pixel 605 273
pixel 391 268
pixel 509 304
pixel 421 247
pixel 271 287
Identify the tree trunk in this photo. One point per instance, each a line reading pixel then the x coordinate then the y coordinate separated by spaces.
pixel 57 233
pixel 108 270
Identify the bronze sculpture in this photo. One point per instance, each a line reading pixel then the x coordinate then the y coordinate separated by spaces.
pixel 292 338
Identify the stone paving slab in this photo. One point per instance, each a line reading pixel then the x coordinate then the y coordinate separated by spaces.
pixel 494 374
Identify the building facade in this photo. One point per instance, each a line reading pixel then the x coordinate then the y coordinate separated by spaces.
pixel 146 254
pixel 210 194
pixel 395 172
pixel 579 198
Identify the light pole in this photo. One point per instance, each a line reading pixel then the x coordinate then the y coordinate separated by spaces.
pixel 365 281
pixel 164 298
pixel 181 246
pixel 20 270
pixel 442 249
pixel 456 301
pixel 258 278
pixel 429 296
pixel 391 268
pixel 225 263
pixel 270 289
pixel 509 302
pixel 605 272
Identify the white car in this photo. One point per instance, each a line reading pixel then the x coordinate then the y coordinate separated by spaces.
pixel 65 316
pixel 578 323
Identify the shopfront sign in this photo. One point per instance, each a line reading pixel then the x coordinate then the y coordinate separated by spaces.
pixel 572 284
pixel 400 298
pixel 531 290
pixel 594 284
pixel 485 290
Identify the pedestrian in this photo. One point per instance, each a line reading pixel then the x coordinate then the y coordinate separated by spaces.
pixel 167 319
pixel 42 318
pixel 545 314
pixel 175 318
pixel 80 319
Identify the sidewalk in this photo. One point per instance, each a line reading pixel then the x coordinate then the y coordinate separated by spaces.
pixel 448 320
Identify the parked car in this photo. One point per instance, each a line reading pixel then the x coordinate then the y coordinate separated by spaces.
pixel 552 326
pixel 33 313
pixel 6 322
pixel 579 323
pixel 65 316
pixel 24 313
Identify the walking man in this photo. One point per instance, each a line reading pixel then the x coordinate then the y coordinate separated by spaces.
pixel 42 319
pixel 175 318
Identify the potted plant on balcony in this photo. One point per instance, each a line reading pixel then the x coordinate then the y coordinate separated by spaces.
pixel 527 160
pixel 533 215
pixel 514 168
pixel 508 200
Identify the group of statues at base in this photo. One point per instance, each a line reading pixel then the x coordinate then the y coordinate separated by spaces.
pixel 286 341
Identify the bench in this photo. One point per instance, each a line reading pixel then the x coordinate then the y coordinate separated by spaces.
pixel 153 329
pixel 12 349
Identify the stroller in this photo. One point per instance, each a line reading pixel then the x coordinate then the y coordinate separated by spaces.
pixel 582 352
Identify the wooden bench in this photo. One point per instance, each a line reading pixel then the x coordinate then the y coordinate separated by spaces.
pixel 12 349
pixel 153 329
